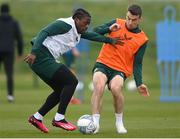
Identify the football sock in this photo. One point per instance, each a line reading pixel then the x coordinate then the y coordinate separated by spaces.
pixel 119 117
pixel 63 121
pixel 59 117
pixel 51 101
pixel 38 116
pixel 96 118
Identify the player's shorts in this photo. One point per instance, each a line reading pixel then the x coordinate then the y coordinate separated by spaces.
pixel 45 64
pixel 109 72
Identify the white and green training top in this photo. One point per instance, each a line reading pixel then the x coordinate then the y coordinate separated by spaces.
pixel 61 36
pixel 66 41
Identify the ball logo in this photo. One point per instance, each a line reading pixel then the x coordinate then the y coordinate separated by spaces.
pixel 91 126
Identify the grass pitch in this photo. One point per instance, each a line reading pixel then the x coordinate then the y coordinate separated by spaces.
pixel 143 117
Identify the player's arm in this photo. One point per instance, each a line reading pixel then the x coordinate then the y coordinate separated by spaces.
pixel 98 34
pixel 137 71
pixel 105 28
pixel 93 36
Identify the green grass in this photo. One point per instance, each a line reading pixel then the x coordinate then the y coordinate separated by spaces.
pixel 143 117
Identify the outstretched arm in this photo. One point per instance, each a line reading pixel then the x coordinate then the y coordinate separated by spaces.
pixel 105 28
pixel 93 36
pixel 100 31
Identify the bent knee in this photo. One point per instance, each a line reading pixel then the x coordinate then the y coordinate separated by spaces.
pixel 116 89
pixel 74 81
pixel 99 88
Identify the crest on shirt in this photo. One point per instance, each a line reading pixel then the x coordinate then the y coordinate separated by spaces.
pixel 125 37
pixel 77 39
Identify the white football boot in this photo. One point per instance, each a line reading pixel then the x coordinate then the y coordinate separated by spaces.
pixel 121 129
pixel 97 128
pixel 10 98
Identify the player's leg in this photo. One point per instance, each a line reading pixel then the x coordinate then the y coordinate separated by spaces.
pixel 51 101
pixel 116 86
pixel 67 78
pixel 99 82
pixel 8 65
pixel 69 59
pixel 45 67
pixel 59 78
pixel 63 91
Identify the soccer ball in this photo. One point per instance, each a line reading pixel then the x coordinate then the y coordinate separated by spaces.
pixel 86 125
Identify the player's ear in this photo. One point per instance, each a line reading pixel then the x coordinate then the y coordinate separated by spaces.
pixel 76 20
pixel 141 18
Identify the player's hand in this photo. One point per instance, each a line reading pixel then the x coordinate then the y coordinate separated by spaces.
pixel 143 90
pixel 114 27
pixel 30 58
pixel 117 40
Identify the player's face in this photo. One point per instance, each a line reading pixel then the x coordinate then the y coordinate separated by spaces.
pixel 82 24
pixel 132 21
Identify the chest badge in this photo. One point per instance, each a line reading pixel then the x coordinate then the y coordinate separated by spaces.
pixel 77 39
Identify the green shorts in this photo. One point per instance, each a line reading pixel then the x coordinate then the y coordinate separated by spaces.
pixel 109 72
pixel 45 65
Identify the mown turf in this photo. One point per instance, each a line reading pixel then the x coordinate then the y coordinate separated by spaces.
pixel 143 117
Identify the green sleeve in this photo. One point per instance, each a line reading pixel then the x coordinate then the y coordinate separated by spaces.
pixel 137 69
pixel 93 36
pixel 37 41
pixel 55 28
pixel 103 29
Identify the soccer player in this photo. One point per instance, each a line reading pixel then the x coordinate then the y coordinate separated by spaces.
pixel 115 64
pixel 51 42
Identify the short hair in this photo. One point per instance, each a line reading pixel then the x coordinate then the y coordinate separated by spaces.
pixel 5 8
pixel 135 10
pixel 80 13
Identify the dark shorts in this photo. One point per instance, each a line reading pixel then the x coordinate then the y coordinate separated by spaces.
pixel 109 72
pixel 45 65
